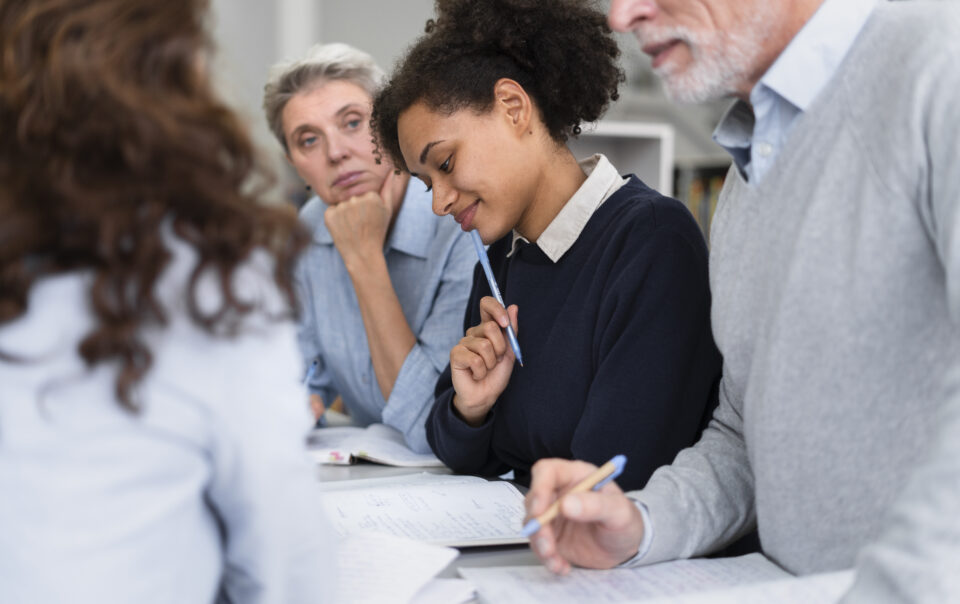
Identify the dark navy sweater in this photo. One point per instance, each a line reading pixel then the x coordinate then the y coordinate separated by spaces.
pixel 618 353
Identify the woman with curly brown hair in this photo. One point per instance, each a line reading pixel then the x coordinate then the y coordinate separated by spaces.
pixel 151 420
pixel 610 275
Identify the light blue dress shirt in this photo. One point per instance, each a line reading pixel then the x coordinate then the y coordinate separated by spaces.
pixel 207 495
pixel 755 133
pixel 430 261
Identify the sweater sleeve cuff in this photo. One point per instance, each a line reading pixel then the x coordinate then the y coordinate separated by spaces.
pixel 458 443
pixel 411 398
pixel 666 544
pixel 637 560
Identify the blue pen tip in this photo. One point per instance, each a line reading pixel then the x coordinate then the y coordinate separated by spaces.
pixel 619 461
pixel 530 527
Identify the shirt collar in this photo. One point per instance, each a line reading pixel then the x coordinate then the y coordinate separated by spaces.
pixel 801 71
pixel 602 181
pixel 412 231
pixel 809 61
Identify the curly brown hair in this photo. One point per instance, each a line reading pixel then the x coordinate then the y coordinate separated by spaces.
pixel 111 130
pixel 561 52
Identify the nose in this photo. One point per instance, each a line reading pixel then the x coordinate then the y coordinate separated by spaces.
pixel 443 198
pixel 626 15
pixel 337 149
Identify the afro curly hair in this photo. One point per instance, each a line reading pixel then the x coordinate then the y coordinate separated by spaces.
pixel 561 52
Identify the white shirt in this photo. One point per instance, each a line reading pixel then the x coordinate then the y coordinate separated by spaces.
pixel 207 491
pixel 562 232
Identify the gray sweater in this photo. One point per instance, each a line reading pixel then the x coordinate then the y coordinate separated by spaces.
pixel 836 292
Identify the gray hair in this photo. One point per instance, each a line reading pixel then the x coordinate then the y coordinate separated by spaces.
pixel 322 63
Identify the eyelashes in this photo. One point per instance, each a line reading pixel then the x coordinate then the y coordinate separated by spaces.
pixel 445 168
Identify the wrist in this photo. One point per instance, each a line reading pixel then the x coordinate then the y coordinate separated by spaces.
pixel 473 415
pixel 364 262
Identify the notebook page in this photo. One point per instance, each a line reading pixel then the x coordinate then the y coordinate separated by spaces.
pixel 519 584
pixel 402 480
pixel 823 588
pixel 456 514
pixel 376 442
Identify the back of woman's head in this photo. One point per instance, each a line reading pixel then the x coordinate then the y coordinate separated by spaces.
pixel 110 132
pixel 561 52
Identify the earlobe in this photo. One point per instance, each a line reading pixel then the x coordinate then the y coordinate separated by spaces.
pixel 516 105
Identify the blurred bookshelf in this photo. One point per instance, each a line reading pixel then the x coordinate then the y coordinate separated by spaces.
pixel 698 187
pixel 641 148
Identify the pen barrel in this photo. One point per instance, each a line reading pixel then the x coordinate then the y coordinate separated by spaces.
pixel 492 282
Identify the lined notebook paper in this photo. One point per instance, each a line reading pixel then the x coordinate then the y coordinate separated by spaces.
pixel 459 511
pixel 514 585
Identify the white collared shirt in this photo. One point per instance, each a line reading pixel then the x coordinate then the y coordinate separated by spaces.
pixel 602 181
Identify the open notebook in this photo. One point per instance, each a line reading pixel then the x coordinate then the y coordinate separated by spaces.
pixel 377 443
pixel 457 511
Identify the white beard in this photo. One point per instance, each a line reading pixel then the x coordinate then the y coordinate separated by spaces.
pixel 721 61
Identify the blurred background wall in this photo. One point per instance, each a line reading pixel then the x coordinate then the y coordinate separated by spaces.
pixel 253 34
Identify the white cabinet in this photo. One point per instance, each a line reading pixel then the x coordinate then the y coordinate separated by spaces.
pixel 644 149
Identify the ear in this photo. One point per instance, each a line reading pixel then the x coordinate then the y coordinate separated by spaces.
pixel 514 103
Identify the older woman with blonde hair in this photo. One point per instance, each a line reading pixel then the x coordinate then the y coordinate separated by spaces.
pixel 384 283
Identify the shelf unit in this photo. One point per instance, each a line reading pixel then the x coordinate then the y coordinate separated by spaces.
pixel 641 148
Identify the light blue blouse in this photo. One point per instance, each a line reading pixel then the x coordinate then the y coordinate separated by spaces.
pixel 430 261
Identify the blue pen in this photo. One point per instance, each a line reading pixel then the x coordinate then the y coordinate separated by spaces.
pixel 594 481
pixel 485 263
pixel 311 370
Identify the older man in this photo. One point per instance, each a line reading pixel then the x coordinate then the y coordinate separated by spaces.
pixel 835 273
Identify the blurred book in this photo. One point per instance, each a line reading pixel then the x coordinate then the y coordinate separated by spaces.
pixel 698 187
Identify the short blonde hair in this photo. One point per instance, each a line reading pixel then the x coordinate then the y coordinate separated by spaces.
pixel 322 63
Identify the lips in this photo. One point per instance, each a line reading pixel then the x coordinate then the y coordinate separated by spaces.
pixel 465 216
pixel 658 52
pixel 347 178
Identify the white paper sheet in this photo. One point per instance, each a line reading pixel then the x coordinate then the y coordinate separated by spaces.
pixel 824 588
pixel 439 511
pixel 445 591
pixel 381 569
pixel 523 584
pixel 399 481
pixel 376 442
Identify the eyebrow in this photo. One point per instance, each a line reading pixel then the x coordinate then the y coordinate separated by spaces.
pixel 426 149
pixel 348 107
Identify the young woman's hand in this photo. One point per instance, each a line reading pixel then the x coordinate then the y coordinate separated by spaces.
pixel 481 364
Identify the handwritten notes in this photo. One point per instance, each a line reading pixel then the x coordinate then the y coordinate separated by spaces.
pixel 519 584
pixel 442 510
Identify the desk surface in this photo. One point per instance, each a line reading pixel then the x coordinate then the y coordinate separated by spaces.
pixel 501 555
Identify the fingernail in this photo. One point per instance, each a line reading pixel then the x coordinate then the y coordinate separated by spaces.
pixel 554 566
pixel 541 545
